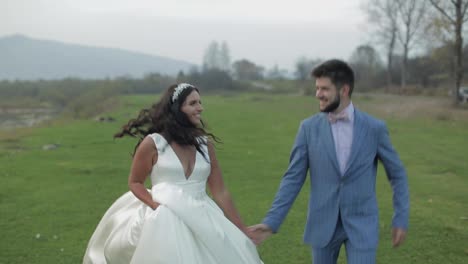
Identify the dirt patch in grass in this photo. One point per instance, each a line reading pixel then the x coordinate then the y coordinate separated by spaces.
pixel 408 107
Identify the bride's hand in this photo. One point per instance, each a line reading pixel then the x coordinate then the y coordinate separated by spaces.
pixel 154 205
pixel 245 230
pixel 258 233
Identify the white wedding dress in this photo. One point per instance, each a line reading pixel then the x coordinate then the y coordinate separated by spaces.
pixel 187 228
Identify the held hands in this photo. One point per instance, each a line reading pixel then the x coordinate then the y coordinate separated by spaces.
pixel 398 236
pixel 154 205
pixel 258 233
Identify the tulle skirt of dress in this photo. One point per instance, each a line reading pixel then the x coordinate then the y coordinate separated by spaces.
pixel 187 228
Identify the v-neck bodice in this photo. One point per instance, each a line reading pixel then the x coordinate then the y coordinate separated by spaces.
pixel 187 176
pixel 169 168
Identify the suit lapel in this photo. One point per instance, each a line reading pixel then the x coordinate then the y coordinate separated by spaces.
pixel 329 143
pixel 359 133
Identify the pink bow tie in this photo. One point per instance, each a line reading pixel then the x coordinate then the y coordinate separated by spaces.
pixel 333 118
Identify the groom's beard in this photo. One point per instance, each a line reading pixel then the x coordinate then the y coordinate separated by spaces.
pixel 334 105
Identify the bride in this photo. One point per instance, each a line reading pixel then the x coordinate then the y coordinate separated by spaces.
pixel 176 221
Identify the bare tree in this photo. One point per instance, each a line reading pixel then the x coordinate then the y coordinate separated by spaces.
pixel 210 58
pixel 411 14
pixel 276 73
pixel 367 66
pixel 383 15
pixel 217 57
pixel 454 11
pixel 225 58
pixel 304 67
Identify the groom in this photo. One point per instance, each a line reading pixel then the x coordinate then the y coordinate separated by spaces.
pixel 340 147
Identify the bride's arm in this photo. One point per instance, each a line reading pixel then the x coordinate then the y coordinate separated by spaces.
pixel 220 193
pixel 145 157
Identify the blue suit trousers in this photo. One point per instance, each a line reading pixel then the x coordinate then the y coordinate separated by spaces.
pixel 329 254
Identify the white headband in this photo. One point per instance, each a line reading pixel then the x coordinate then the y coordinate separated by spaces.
pixel 178 90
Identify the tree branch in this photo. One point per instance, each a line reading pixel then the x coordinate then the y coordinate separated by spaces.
pixel 464 17
pixel 442 11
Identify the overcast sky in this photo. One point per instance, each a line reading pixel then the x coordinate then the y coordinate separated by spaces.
pixel 266 32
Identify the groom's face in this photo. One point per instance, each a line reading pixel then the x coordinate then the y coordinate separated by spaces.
pixel 327 94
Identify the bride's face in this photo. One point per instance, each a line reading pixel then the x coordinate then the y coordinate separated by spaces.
pixel 193 108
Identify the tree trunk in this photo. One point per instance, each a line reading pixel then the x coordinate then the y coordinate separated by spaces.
pixel 391 46
pixel 458 51
pixel 389 71
pixel 404 65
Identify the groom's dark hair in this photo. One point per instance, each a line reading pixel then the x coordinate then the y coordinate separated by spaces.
pixel 338 71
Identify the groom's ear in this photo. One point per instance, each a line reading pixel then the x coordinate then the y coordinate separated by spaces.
pixel 345 90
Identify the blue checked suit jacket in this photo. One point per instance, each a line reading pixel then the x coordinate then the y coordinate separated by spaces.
pixel 351 195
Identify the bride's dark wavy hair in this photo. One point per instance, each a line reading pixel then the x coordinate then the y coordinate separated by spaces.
pixel 165 117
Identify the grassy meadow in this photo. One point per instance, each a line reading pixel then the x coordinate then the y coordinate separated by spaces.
pixel 51 201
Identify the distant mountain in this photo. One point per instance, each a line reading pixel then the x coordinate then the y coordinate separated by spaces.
pixel 25 58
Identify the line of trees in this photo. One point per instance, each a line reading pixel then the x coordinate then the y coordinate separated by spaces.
pixel 414 45
pixel 75 95
pixel 432 28
pixel 217 59
pixel 421 42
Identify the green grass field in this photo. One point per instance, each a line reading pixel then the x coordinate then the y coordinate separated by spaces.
pixel 51 201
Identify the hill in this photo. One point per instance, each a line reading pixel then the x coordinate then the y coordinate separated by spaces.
pixel 26 58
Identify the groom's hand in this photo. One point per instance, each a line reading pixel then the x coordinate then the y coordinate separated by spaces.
pixel 398 236
pixel 258 233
